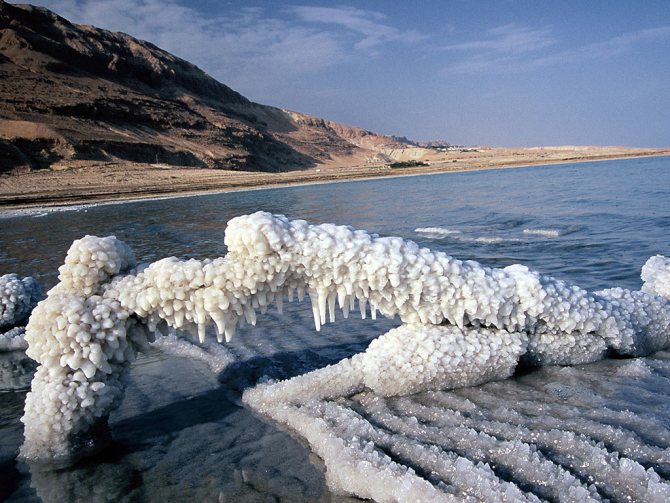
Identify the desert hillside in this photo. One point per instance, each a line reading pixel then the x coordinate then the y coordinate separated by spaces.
pixel 74 95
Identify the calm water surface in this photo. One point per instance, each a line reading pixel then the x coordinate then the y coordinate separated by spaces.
pixel 182 433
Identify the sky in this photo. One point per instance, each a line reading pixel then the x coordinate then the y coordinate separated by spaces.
pixel 499 73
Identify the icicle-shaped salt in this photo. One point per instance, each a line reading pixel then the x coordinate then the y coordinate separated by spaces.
pixel 322 296
pixel 262 299
pixel 345 308
pixel 219 324
pixel 331 306
pixel 179 318
pixel 341 296
pixel 249 314
pixel 313 297
pixel 229 330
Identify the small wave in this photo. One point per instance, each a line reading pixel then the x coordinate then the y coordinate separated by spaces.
pixel 491 240
pixel 488 239
pixel 547 233
pixel 44 211
pixel 439 231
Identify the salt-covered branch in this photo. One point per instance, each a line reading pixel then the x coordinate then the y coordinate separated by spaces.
pixel 463 323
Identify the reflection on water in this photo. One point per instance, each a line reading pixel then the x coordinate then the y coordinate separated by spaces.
pixel 182 434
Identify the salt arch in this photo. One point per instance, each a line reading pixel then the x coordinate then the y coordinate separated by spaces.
pixel 463 323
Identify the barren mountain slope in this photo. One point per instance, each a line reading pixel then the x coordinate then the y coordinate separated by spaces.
pixel 74 95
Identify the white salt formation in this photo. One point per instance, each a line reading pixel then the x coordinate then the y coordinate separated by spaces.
pixel 214 355
pixel 13 340
pixel 463 323
pixel 18 297
pixel 83 343
pixel 656 276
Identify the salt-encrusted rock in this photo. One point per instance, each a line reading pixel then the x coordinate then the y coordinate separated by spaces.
pixel 414 358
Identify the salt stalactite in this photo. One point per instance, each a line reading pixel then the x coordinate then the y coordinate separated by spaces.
pixel 463 323
pixel 18 297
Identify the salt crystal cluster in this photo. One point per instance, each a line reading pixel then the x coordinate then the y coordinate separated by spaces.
pixel 18 297
pixel 13 340
pixel 656 276
pixel 463 323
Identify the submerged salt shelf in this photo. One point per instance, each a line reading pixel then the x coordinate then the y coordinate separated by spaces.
pixel 463 324
pixel 549 436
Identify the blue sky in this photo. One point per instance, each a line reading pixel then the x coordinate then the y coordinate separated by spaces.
pixel 506 73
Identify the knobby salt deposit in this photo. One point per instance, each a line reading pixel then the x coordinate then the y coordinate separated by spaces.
pixel 656 276
pixel 18 297
pixel 463 324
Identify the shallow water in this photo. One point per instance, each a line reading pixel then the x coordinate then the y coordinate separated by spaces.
pixel 181 432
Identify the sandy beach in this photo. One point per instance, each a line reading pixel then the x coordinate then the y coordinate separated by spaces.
pixel 110 181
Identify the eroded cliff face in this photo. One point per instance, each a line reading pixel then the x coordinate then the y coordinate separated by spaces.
pixel 74 94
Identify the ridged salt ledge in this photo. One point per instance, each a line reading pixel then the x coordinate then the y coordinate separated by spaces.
pixel 463 324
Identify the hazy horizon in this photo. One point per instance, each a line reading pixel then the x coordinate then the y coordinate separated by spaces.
pixel 505 73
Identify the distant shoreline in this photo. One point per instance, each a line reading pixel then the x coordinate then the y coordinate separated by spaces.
pixel 119 183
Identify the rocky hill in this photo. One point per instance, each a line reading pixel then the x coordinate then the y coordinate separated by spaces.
pixel 75 95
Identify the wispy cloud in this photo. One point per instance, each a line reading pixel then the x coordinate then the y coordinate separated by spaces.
pixel 508 39
pixel 514 48
pixel 249 49
pixel 369 25
pixel 623 43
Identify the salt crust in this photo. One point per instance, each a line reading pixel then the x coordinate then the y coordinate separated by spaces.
pixel 214 355
pixel 463 324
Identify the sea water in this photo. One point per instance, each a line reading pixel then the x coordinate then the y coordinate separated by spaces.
pixel 182 432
